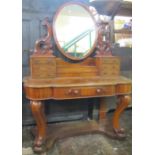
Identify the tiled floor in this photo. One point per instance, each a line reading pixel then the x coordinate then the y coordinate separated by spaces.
pixel 88 144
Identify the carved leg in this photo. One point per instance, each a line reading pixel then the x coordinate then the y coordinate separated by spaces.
pixel 38 113
pixel 123 103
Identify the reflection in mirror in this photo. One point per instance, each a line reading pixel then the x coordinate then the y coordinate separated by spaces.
pixel 75 31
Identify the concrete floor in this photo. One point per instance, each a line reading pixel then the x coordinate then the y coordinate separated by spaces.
pixel 88 144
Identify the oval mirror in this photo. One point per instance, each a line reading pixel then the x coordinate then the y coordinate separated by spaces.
pixel 75 31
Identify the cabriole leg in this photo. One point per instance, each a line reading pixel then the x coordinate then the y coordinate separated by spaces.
pixel 37 109
pixel 123 104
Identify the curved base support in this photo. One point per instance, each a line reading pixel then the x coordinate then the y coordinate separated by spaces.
pixel 46 137
pixel 106 128
pixel 60 131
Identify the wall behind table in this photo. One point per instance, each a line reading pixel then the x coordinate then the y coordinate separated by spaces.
pixel 125 55
pixel 34 11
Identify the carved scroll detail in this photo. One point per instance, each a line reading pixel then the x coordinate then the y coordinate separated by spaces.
pixel 43 46
pixel 103 47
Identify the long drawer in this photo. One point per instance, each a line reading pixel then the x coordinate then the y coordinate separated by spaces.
pixel 59 93
pixel 83 92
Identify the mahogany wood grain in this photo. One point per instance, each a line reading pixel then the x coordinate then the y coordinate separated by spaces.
pixel 86 62
pixel 38 93
pixel 59 131
pixel 108 66
pixel 123 103
pixel 123 88
pixel 44 41
pixel 42 67
pixel 49 67
pixel 37 109
pixel 53 78
pixel 82 92
pixel 75 92
pixel 102 109
pixel 77 81
pixel 103 47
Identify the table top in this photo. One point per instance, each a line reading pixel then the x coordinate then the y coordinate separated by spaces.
pixel 75 81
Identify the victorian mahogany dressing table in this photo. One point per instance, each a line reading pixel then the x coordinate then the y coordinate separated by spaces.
pixel 78 74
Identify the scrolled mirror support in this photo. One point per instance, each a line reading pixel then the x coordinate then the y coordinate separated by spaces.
pixel 103 47
pixel 94 35
pixel 43 46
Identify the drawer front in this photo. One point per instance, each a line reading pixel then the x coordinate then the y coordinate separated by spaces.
pixel 43 67
pixel 38 93
pixel 123 88
pixel 83 92
pixel 109 66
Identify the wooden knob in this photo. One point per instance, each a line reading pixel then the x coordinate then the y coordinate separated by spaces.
pixel 73 91
pixel 99 90
pixel 76 91
pixel 69 91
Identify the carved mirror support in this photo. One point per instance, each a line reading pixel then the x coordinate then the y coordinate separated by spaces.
pixel 103 41
pixel 76 33
pixel 43 46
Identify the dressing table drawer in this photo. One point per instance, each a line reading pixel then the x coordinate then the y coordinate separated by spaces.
pixel 78 92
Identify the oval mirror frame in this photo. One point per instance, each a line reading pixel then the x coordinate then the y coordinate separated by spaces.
pixel 91 50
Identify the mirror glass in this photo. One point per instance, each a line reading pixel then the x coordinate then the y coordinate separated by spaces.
pixel 75 31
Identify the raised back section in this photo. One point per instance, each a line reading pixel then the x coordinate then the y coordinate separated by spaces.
pixel 86 68
pixel 46 67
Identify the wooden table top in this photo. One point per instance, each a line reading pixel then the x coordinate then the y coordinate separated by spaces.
pixel 75 81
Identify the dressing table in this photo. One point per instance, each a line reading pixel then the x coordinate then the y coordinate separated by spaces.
pixel 86 69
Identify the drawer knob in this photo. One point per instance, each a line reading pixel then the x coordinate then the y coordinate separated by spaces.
pixel 73 91
pixel 76 91
pixel 99 90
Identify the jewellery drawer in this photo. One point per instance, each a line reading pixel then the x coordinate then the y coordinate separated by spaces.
pixel 77 92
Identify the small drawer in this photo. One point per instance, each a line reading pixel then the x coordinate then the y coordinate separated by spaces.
pixel 123 88
pixel 105 90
